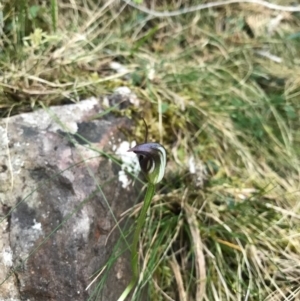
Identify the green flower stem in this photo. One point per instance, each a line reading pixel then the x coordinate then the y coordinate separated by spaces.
pixel 134 252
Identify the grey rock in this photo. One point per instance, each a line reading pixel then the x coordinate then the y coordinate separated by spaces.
pixel 63 198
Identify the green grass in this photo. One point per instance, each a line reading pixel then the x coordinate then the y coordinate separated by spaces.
pixel 213 97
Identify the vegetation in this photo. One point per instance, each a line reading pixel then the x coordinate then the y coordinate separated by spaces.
pixel 223 91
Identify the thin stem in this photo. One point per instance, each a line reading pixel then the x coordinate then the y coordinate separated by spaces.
pixel 140 223
pixel 54 14
pixel 134 253
pixel 164 14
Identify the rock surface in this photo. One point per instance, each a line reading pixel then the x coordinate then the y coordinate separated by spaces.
pixel 62 197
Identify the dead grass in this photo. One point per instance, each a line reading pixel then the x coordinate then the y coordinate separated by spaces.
pixel 223 88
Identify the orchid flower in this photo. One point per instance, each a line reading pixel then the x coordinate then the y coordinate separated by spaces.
pixel 152 158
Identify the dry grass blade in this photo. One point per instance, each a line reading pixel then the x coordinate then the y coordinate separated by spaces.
pixel 180 286
pixel 198 250
pixel 166 296
pixel 199 7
